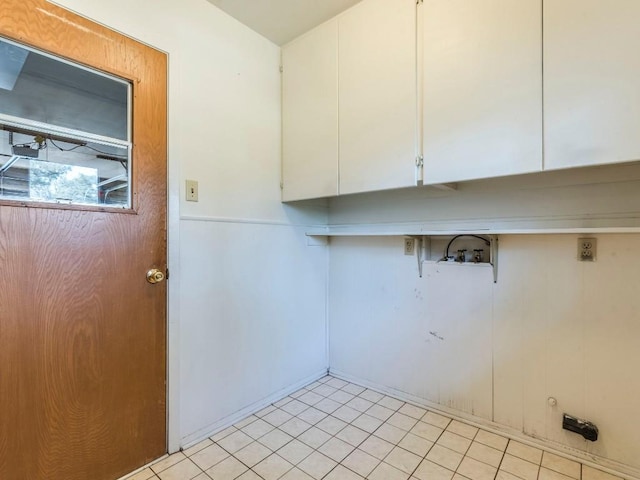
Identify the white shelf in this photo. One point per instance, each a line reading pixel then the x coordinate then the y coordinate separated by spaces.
pixel 413 230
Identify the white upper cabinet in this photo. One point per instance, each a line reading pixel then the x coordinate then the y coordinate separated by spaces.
pixel 460 82
pixel 591 82
pixel 377 90
pixel 482 88
pixel 310 114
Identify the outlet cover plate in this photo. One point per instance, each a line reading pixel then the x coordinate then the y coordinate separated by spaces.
pixel 409 245
pixel 587 249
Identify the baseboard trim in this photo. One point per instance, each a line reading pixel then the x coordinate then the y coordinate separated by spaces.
pixel 211 429
pixel 594 461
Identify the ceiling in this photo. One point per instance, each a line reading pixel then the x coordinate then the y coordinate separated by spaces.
pixel 282 20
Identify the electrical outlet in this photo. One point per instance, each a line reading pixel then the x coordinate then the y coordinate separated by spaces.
pixel 191 187
pixel 409 246
pixel 587 249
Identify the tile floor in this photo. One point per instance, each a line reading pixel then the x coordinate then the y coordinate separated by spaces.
pixel 335 430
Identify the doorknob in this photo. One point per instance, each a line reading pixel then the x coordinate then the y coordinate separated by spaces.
pixel 155 276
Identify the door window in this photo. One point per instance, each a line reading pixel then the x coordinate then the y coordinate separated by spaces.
pixel 64 131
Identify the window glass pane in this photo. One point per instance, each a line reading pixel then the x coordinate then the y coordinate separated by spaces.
pixel 58 171
pixel 64 131
pixel 62 183
pixel 40 88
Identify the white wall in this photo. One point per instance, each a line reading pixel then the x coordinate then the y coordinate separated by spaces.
pixel 247 295
pixel 551 326
pixel 247 305
pixel 578 198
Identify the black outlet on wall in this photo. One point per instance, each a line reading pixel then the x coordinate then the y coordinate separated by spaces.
pixel 582 427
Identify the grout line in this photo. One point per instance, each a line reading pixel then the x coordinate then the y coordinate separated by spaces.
pixel 197 466
pixel 504 452
pixel 382 401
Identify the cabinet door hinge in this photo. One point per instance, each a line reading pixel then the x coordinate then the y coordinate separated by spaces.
pixel 281 69
pixel 419 161
pixel 281 185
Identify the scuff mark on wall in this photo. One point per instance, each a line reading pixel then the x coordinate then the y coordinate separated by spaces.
pixel 435 334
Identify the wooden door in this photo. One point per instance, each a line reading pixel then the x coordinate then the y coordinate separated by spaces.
pixel 377 96
pixel 482 88
pixel 82 333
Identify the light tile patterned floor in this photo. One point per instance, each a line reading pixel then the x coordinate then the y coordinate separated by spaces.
pixel 335 430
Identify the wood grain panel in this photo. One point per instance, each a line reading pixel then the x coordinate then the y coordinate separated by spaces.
pixel 591 96
pixel 82 334
pixel 377 96
pixel 310 115
pixel 482 89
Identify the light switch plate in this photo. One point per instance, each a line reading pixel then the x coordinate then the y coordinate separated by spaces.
pixel 191 190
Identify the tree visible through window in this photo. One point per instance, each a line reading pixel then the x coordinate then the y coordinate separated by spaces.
pixel 62 183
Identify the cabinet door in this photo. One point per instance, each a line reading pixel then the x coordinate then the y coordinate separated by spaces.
pixel 591 87
pixel 482 88
pixel 310 115
pixel 377 89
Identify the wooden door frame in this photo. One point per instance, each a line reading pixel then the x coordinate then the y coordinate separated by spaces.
pixel 53 29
